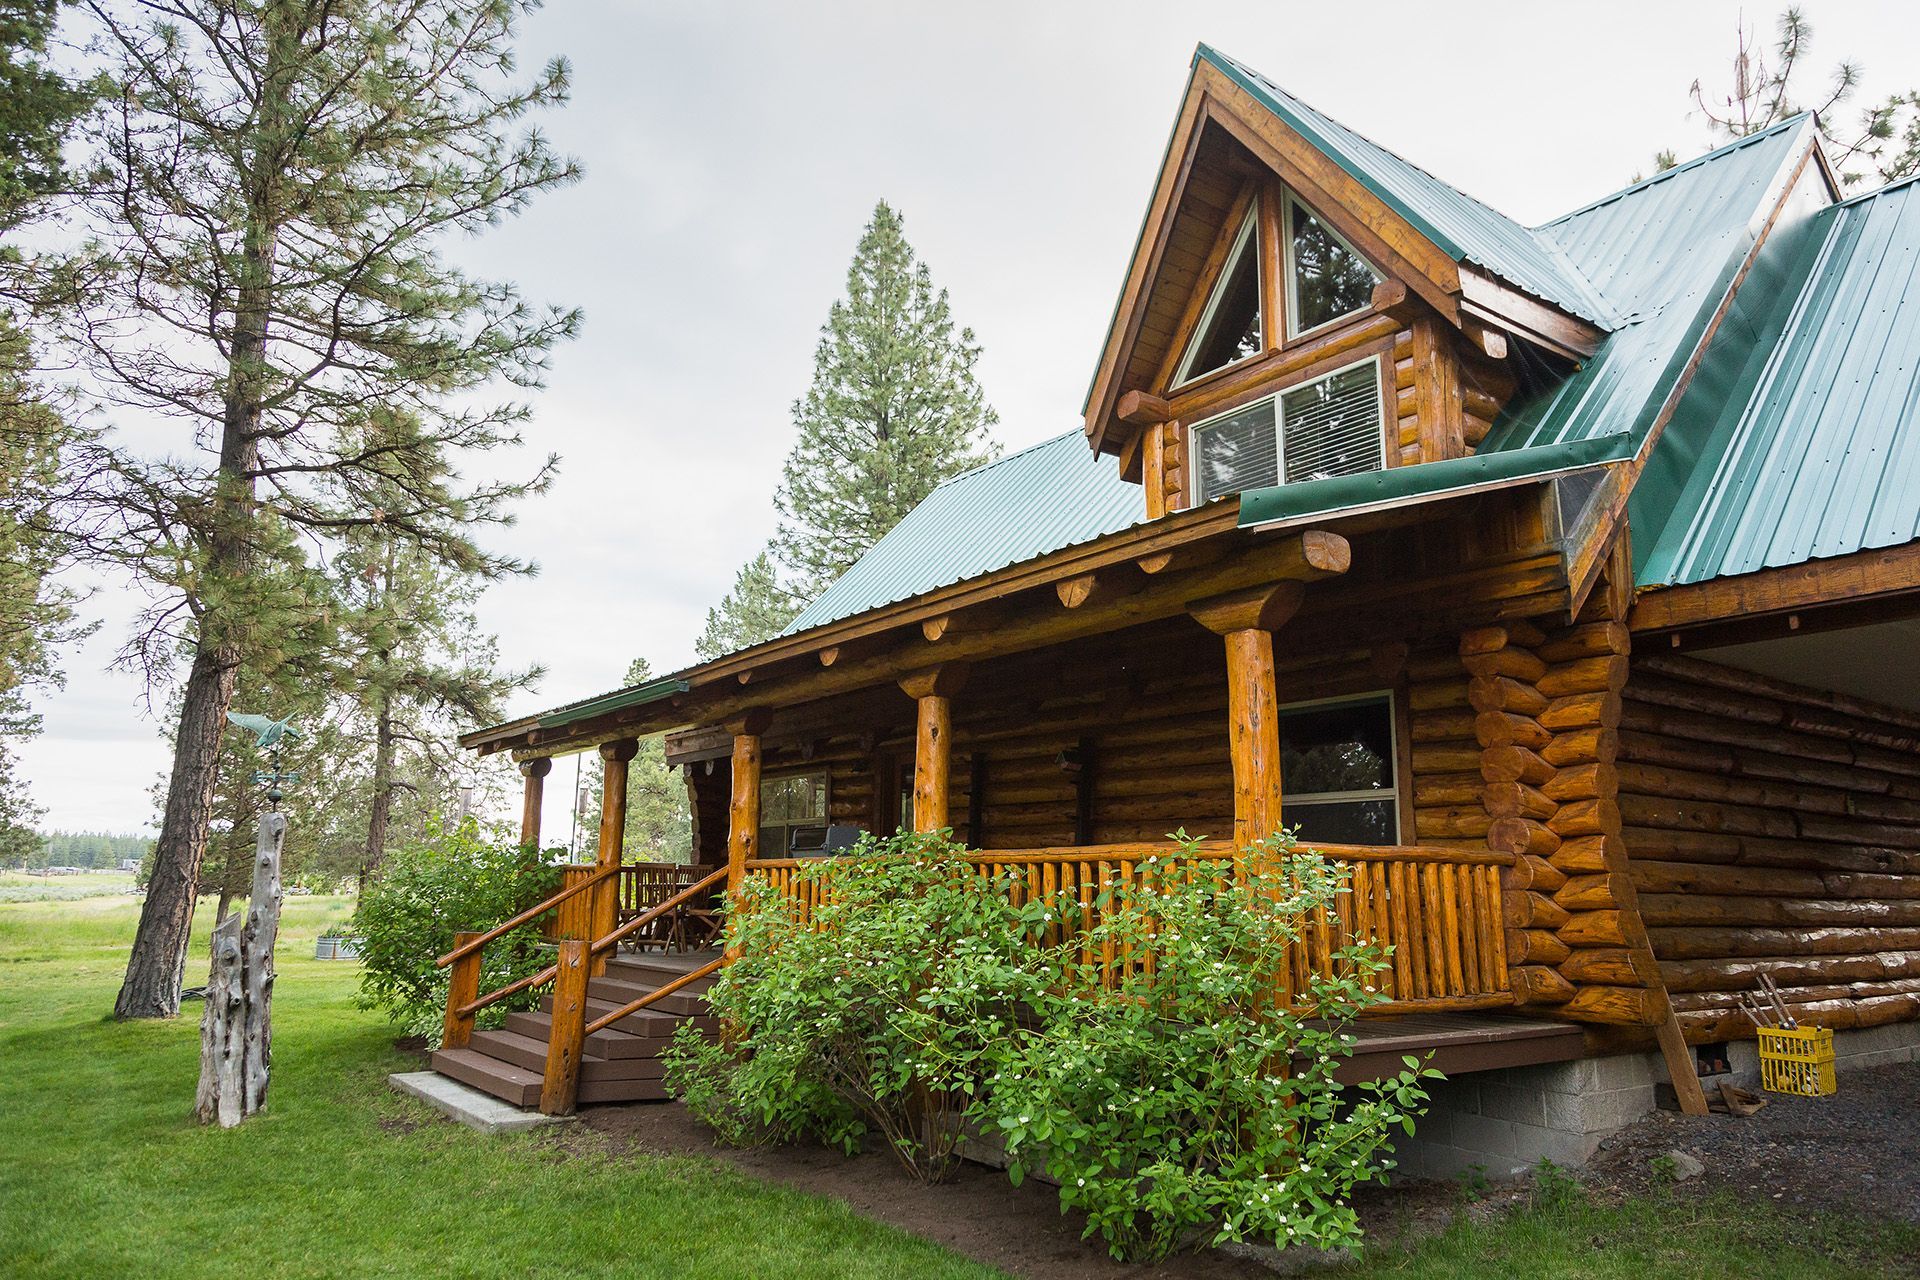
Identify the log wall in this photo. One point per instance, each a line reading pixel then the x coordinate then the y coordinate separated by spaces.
pixel 1775 829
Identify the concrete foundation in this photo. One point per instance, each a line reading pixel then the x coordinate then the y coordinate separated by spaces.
pixel 1508 1121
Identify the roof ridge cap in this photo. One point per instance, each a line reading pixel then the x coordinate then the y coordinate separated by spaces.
pixel 1718 153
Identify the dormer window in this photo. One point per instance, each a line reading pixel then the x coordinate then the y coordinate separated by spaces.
pixel 1331 426
pixel 1230 328
pixel 1326 279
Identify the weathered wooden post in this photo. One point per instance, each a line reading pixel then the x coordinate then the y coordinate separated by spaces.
pixel 743 809
pixel 533 791
pixel 236 1031
pixel 933 691
pixel 614 756
pixel 463 988
pixel 566 1040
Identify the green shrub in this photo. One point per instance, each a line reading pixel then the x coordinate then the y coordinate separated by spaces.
pixel 1177 1105
pixel 406 919
pixel 882 1015
pixel 1173 1102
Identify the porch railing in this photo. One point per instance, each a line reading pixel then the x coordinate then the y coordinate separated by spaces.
pixel 1437 909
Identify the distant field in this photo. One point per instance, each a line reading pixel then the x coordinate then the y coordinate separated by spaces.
pixel 18 886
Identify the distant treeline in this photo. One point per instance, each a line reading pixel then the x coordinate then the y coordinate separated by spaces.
pixel 95 849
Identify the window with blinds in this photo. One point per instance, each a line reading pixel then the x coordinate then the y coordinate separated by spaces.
pixel 1331 426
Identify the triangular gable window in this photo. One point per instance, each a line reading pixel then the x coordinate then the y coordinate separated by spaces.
pixel 1229 328
pixel 1326 279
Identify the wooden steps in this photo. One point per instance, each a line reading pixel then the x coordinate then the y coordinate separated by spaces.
pixel 620 1064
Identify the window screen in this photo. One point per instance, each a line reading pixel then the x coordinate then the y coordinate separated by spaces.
pixel 1337 772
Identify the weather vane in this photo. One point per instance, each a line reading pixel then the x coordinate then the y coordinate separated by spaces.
pixel 268 734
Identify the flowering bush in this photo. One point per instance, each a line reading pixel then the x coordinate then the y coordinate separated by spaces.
pixel 880 1014
pixel 1179 1101
pixel 1148 1064
pixel 406 919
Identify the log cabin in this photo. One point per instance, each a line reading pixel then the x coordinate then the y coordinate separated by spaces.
pixel 1560 581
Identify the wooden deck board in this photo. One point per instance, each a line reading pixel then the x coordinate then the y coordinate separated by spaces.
pixel 1459 1044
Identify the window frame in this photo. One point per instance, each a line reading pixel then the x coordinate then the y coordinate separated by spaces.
pixel 786 826
pixel 1289 284
pixel 1196 432
pixel 1246 239
pixel 1402 779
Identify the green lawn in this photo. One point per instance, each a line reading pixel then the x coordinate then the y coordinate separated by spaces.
pixel 103 1172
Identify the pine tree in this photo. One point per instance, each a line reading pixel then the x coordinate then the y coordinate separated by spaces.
pixel 272 192
pixel 756 609
pixel 416 667
pixel 37 108
pixel 893 410
pixel 1883 145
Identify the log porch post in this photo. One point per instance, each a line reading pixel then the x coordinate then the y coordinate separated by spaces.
pixel 932 691
pixel 613 833
pixel 1246 621
pixel 535 773
pixel 743 812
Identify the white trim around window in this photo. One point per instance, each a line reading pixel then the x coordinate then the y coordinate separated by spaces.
pixel 1196 433
pixel 1290 283
pixel 1246 240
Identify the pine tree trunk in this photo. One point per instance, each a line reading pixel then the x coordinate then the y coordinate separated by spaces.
pixel 151 988
pixel 381 809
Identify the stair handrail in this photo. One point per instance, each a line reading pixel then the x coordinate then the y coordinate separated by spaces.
pixel 640 1002
pixel 679 898
pixel 531 913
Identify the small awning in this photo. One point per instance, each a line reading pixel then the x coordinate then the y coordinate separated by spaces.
pixel 1398 486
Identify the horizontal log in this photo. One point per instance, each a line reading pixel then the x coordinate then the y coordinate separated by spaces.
pixel 1703 815
pixel 1435 789
pixel 1628 1006
pixel 1580 711
pixel 1504 729
pixel 1610 928
pixel 1662 844
pixel 1585 818
pixel 1582 782
pixel 1727 974
pixel 1445 758
pixel 1517 800
pixel 1611 966
pixel 1716 909
pixel 1579 746
pixel 1602 891
pixel 1528 910
pixel 1687 726
pixel 1530 871
pixel 1692 943
pixel 1535 946
pixel 1500 693
pixel 1656 876
pixel 1517 664
pixel 1538 984
pixel 1522 835
pixel 1451 822
pixel 1456 725
pixel 1514 764
pixel 1585 855
pixel 1589 640
pixel 1734 678
pixel 1584 675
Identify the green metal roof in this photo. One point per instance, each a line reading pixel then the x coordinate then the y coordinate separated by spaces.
pixel 1056 494
pixel 1457 224
pixel 1800 436
pixel 634 696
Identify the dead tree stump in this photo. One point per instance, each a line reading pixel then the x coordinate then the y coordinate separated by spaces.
pixel 236 1032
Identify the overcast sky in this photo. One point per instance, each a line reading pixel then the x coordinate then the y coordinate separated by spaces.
pixel 734 151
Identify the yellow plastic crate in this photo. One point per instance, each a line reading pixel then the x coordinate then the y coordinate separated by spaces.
pixel 1799 1061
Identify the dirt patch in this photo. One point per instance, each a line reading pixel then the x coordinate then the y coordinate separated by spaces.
pixel 1853 1153
pixel 980 1214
